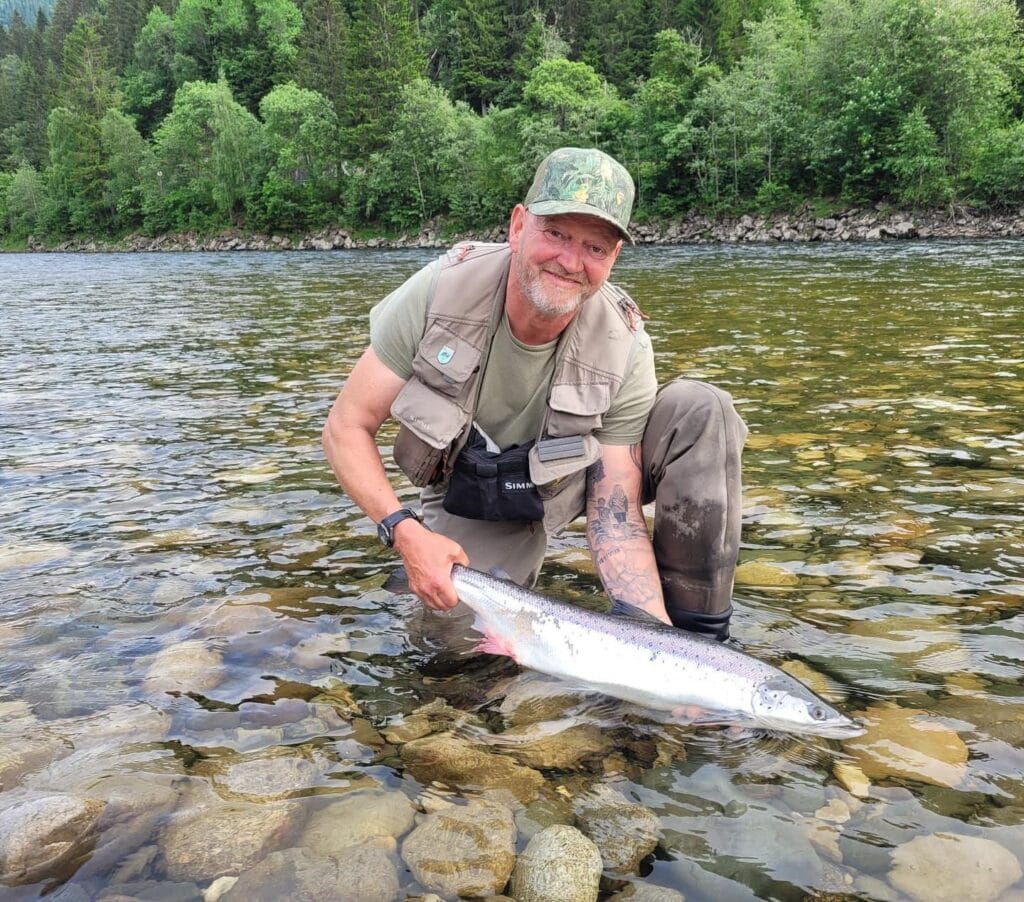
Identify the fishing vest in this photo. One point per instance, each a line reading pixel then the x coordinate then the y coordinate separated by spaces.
pixel 437 405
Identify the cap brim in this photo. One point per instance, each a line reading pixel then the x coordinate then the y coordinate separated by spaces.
pixel 558 207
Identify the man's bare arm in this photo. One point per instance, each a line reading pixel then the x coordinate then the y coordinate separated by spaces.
pixel 617 532
pixel 349 439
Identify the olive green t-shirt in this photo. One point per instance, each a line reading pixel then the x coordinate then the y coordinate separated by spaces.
pixel 513 396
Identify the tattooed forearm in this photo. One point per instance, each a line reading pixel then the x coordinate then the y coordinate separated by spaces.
pixel 617 531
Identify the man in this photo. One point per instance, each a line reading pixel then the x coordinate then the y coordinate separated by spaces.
pixel 524 386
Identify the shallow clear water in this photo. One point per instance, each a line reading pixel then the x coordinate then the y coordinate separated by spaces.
pixel 183 589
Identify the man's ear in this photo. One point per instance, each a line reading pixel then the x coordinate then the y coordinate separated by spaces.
pixel 516 224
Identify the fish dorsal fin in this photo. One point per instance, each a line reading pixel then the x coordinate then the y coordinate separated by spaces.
pixel 501 573
pixel 622 608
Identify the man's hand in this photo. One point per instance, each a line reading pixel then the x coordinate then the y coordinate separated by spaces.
pixel 428 558
pixel 617 530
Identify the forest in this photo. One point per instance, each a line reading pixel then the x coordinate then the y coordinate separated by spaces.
pixel 121 116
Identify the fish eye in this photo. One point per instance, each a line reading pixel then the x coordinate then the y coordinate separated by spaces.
pixel 818 713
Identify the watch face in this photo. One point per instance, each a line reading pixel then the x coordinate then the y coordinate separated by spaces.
pixel 384 534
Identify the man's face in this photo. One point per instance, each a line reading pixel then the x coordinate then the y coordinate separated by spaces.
pixel 561 260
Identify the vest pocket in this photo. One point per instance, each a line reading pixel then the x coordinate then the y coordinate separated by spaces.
pixel 444 361
pixel 434 419
pixel 577 409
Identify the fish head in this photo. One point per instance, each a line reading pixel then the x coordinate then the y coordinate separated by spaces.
pixel 786 704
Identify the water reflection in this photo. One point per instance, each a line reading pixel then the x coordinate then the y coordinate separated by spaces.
pixel 195 639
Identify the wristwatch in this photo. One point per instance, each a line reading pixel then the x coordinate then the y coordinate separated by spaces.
pixel 386 527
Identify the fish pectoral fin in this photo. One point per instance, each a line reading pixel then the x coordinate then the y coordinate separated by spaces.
pixel 397 582
pixel 492 644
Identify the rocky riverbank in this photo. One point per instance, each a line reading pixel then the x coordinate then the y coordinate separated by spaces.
pixel 853 224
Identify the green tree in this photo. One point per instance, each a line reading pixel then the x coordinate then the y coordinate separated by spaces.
pixel 76 173
pixel 918 165
pixel 252 42
pixel 996 170
pixel 301 186
pixel 661 143
pixel 426 168
pixel 566 103
pixel 470 52
pixel 129 169
pixel 149 79
pixel 382 56
pixel 320 65
pixel 210 158
pixel 26 203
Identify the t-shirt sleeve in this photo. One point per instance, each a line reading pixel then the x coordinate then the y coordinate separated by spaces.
pixel 626 419
pixel 397 322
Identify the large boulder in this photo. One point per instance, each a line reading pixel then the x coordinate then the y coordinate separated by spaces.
pixel 357 818
pixel 947 868
pixel 558 865
pixel 463 851
pixel 46 836
pixel 224 839
pixel 360 874
pixel 454 761
pixel 624 832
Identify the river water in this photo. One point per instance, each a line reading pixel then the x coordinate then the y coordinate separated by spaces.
pixel 192 624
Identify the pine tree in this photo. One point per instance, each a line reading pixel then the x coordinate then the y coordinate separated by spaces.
pixel 470 49
pixel 382 56
pixel 320 64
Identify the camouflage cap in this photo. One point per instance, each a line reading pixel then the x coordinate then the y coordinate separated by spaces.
pixel 582 180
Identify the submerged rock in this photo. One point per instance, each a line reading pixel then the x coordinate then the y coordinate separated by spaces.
pixel 457 762
pixel 355 819
pixel 268 777
pixel 647 892
pixel 223 840
pixel 46 836
pixel 624 832
pixel 560 745
pixel 763 573
pixel 359 874
pixel 190 666
pixel 558 865
pixel 943 867
pixel 463 851
pixel 909 745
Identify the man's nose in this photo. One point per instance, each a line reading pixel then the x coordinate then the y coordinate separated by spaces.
pixel 570 256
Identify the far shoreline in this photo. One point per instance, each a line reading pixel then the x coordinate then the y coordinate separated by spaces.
pixel 852 224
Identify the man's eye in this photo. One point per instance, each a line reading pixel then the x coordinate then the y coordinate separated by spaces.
pixel 555 235
pixel 597 251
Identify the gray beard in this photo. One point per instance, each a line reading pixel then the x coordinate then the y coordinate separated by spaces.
pixel 540 302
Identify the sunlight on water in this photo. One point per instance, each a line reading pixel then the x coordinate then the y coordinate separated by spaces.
pixel 196 651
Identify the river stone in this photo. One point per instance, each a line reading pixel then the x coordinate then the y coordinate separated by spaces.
pixel 542 813
pixel 311 652
pixel 464 851
pixel 624 832
pixel 647 892
pixel 532 697
pixel 558 865
pixel 268 778
pixel 45 836
pixel 190 666
pixel 944 867
pixel 454 761
pixel 907 744
pixel 355 819
pixel 544 745
pixel 223 840
pixel 359 874
pixel 812 679
pixel 763 573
